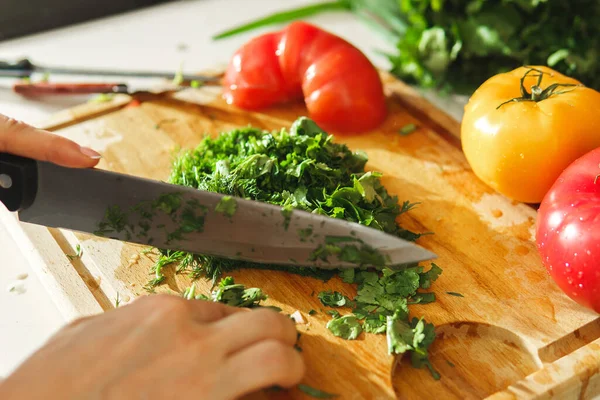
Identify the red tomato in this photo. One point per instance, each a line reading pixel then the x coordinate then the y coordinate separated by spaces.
pixel 568 231
pixel 342 90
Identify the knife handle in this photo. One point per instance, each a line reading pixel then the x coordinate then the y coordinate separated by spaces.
pixel 21 65
pixel 37 89
pixel 18 181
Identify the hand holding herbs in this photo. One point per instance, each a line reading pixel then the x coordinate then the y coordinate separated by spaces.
pixel 162 347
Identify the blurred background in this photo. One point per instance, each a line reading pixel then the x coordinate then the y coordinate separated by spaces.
pixel 19 18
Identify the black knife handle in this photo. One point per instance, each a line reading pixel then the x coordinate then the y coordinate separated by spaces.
pixel 21 65
pixel 18 181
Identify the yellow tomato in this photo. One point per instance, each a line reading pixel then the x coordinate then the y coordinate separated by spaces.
pixel 522 128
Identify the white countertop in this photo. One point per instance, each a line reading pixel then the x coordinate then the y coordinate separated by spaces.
pixel 157 38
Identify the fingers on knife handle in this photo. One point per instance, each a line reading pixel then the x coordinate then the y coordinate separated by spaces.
pixel 18 181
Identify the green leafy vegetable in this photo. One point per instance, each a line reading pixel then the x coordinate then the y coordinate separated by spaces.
pixel 346 327
pixel 230 293
pixel 236 295
pixel 300 168
pixel 78 253
pixel 458 45
pixel 333 299
pixel 312 312
pixel 407 129
pixel 227 206
pixel 455 294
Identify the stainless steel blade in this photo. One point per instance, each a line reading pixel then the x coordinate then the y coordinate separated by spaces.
pixel 174 217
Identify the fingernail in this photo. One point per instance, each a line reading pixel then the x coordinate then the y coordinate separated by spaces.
pixel 90 153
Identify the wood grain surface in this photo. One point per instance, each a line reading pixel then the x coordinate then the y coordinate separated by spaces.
pixel 512 335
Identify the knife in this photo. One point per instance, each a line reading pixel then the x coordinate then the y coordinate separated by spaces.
pixel 24 68
pixel 150 212
pixel 46 88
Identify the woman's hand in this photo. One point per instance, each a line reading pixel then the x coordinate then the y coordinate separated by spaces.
pixel 163 347
pixel 23 140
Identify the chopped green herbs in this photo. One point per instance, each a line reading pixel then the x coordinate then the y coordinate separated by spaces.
pixel 350 250
pixel 230 293
pixel 312 312
pixel 300 168
pixel 186 217
pixel 346 327
pixel 78 253
pixel 303 169
pixel 407 129
pixel 381 303
pixel 316 393
pixel 455 294
pixel 227 206
pixel 117 301
pixel 333 299
pixel 286 212
pixel 102 98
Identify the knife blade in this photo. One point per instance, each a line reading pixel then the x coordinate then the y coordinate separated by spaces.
pixel 25 68
pixel 159 214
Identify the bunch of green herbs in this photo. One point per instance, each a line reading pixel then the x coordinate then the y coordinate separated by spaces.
pixel 297 169
pixel 458 44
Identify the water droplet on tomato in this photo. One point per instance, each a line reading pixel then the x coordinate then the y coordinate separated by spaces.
pixel 580 274
pixel 588 252
pixel 569 280
pixel 522 155
pixel 580 286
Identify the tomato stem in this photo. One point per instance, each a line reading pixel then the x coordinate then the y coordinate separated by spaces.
pixel 537 93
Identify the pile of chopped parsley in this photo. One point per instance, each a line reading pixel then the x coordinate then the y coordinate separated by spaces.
pixel 304 169
pixel 301 168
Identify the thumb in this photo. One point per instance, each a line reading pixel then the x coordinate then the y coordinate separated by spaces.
pixel 24 140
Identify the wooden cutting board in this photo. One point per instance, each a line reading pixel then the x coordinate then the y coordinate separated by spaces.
pixel 512 335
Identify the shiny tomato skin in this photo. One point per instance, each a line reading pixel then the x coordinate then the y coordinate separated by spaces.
pixel 331 96
pixel 521 148
pixel 255 82
pixel 342 90
pixel 568 230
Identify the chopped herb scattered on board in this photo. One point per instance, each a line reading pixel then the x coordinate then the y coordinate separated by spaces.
pixel 300 168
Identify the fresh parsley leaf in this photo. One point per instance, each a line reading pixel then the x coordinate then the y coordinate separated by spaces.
pixel 422 298
pixel 427 278
pixel 226 206
pixel 312 312
pixel 346 327
pixel 334 313
pixel 332 299
pixel 347 275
